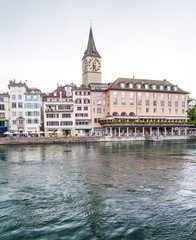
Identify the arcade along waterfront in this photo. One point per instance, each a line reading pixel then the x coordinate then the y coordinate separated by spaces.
pixel 109 190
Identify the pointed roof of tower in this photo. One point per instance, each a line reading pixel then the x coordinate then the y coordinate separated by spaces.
pixel 91 49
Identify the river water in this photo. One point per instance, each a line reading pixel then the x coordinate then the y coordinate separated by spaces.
pixel 134 191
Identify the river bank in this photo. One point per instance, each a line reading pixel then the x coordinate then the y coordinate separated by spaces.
pixel 55 140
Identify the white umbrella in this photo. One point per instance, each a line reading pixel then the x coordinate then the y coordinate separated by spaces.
pixel 7 133
pixel 16 132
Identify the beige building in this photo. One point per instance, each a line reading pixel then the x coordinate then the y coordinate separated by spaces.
pixel 139 106
pixel 130 106
pixel 58 111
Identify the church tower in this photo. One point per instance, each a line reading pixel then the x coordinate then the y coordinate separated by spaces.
pixel 91 63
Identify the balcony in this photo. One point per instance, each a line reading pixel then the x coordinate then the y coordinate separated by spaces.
pixel 54 109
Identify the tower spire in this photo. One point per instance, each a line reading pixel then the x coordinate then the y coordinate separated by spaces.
pixel 91 48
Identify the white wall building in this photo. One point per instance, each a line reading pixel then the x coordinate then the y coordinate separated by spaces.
pixel 25 108
pixel 82 110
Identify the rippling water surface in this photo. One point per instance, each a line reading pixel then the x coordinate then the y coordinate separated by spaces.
pixel 95 191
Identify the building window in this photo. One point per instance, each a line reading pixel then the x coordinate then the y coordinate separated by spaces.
pixel 19 97
pixel 13 97
pixel 13 114
pixel 162 103
pixel 98 110
pixel 50 115
pixel 147 110
pixel 147 95
pixel 139 95
pixel 139 103
pixel 99 102
pixel 183 111
pixel 66 123
pixel 183 104
pixel 85 108
pixel 169 96
pixel 176 111
pixel 176 103
pixel 123 102
pixel 66 115
pixel 154 96
pixel 20 114
pixel 154 103
pixel 131 102
pixel 115 94
pixel 122 85
pixel 138 85
pixel 79 108
pixel 99 95
pixel 169 104
pixel 183 97
pixel 32 105
pixel 169 110
pixel 2 107
pixel 162 110
pixel 146 86
pixel 161 87
pixel 147 102
pixel 52 123
pixel 20 121
pixel 20 105
pixel 131 94
pixel 115 102
pixel 162 96
pixel 154 110
pixel 176 97
pixel 13 105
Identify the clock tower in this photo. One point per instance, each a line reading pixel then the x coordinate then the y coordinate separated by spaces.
pixel 91 63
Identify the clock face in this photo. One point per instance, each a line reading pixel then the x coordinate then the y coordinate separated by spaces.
pixel 94 64
pixel 85 65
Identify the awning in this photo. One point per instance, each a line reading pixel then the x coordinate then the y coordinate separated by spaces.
pixel 3 129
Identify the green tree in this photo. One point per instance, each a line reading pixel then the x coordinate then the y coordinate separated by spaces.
pixel 192 114
pixel 73 85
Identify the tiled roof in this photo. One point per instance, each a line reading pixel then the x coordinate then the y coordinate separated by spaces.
pixel 116 85
pixel 91 49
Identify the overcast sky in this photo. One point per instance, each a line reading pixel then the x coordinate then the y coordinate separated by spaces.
pixel 43 41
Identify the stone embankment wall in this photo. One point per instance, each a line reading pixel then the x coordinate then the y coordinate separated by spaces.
pixel 55 140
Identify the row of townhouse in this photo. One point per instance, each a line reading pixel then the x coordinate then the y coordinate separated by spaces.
pixel 99 109
pixel 126 106
pixel 29 111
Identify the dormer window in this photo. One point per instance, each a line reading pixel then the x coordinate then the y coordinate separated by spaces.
pixel 153 86
pixel 138 85
pixel 175 88
pixel 130 85
pixel 122 85
pixel 161 87
pixel 168 87
pixel 146 86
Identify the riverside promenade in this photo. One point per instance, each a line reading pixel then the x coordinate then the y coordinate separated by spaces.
pixel 58 140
